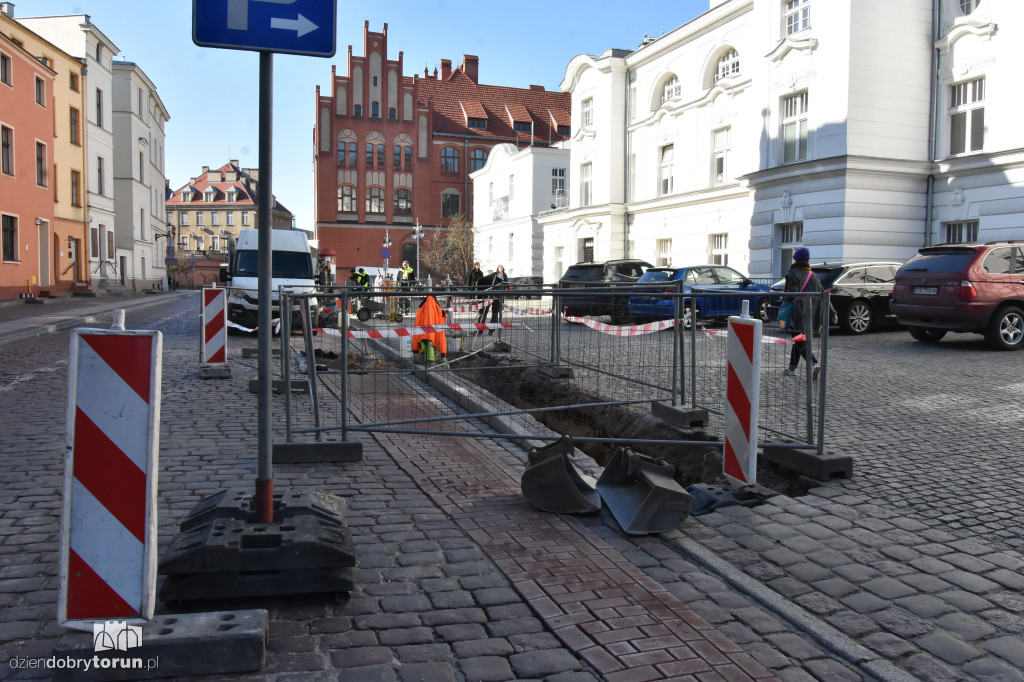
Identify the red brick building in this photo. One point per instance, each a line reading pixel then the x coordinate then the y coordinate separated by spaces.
pixel 391 149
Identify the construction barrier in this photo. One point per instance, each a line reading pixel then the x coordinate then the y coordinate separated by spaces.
pixel 742 397
pixel 109 526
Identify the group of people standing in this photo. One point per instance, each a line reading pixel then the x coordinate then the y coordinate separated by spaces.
pixel 496 280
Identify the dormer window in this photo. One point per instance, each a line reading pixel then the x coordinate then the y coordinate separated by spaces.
pixel 523 126
pixel 728 65
pixel 564 131
pixel 671 90
pixel 232 194
pixel 478 123
pixel 186 194
pixel 209 195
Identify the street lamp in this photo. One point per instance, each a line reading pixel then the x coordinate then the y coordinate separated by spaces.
pixel 417 232
pixel 385 247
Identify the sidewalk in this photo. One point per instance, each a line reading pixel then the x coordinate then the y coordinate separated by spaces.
pixel 459 578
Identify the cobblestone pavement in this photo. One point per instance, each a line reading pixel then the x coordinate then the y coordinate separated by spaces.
pixel 882 576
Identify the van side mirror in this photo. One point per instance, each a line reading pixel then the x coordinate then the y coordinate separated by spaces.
pixel 225 276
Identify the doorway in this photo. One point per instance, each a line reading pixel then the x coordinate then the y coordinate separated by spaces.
pixel 44 253
pixel 124 267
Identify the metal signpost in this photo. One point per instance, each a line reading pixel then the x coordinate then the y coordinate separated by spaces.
pixel 304 27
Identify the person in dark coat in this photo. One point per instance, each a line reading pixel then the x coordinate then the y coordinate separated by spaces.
pixel 801 278
pixel 474 276
pixel 496 280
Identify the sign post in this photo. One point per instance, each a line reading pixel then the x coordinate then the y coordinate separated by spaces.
pixel 303 27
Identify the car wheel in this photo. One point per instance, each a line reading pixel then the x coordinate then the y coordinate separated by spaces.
pixel 1006 330
pixel 762 310
pixel 687 318
pixel 620 311
pixel 858 318
pixel 363 314
pixel 927 335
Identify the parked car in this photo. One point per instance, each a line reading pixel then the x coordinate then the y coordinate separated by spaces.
pixel 652 298
pixel 964 288
pixel 614 274
pixel 861 293
pixel 526 283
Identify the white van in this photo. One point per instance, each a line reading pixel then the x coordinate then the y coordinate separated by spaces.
pixel 292 267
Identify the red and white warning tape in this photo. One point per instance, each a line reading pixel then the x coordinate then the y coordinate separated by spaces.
pixel 276 322
pixel 625 330
pixel 528 311
pixel 425 329
pixel 764 339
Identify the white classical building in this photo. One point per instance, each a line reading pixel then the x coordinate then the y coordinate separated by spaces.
pixel 861 129
pixel 139 180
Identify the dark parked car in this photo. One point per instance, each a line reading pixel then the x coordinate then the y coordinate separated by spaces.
pixel 652 300
pixel 861 293
pixel 613 274
pixel 964 288
pixel 526 283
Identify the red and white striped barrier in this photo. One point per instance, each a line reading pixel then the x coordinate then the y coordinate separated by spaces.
pixel 109 526
pixel 425 329
pixel 742 395
pixel 624 330
pixel 469 307
pixel 215 332
pixel 528 311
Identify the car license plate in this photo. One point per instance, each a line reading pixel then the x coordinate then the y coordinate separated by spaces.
pixel 926 291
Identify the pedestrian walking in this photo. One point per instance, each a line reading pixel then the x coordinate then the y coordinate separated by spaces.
pixel 495 281
pixel 474 276
pixel 801 278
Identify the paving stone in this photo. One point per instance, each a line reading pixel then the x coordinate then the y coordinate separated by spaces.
pixel 483 647
pixel 423 653
pixel 889 645
pixel 965 625
pixel 925 605
pixel 543 662
pixel 487 669
pixel 947 647
pixel 426 672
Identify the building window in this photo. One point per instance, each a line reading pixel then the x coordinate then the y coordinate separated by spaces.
pixel 965 232
pixel 720 155
pixel 5 69
pixel 357 109
pixel 347 199
pixel 41 164
pixel 564 131
pixel 200 242
pixel 670 90
pixel 73 81
pixel 392 112
pixel 183 242
pixel 215 243
pixel 7 150
pixel 968 6
pixel 10 238
pixel 665 173
pixel 353 153
pixel 374 200
pixel 794 128
pixel 183 219
pixel 99 107
pixel 403 202
pixel 199 218
pixel 587 112
pixel 408 158
pixel 375 109
pixel 718 245
pixel 522 126
pixel 245 218
pixel 663 259
pixel 477 159
pixel 214 218
pixel 798 16
pixel 478 123
pixel 380 156
pixel 232 195
pixel 110 245
pixel 341 153
pixel 451 204
pixel 586 171
pixel 76 188
pixel 100 176
pixel 231 218
pixel 94 242
pixel 369 155
pixel 449 160
pixel 558 184
pixel 73 123
pixel 967 116
pixel 728 65
pixel 398 157
pixel 40 92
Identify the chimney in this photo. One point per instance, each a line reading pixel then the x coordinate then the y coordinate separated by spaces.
pixel 206 169
pixel 539 88
pixel 7 8
pixel 446 69
pixel 471 67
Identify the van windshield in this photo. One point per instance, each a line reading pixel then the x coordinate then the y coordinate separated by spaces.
pixel 286 264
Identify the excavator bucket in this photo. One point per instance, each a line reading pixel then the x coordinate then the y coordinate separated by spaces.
pixel 552 483
pixel 642 494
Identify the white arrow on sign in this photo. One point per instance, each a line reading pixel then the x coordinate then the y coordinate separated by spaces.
pixel 301 26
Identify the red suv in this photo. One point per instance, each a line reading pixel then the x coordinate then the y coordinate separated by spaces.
pixel 963 288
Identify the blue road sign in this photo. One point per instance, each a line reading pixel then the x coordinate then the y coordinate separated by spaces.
pixel 306 27
pixel 385 253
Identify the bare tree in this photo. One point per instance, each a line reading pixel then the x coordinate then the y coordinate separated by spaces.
pixel 449 250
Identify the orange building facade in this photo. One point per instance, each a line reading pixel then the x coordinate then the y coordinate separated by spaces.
pixel 393 151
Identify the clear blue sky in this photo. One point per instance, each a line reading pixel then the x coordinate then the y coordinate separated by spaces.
pixel 211 94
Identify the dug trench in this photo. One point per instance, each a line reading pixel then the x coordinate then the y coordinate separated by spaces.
pixel 527 387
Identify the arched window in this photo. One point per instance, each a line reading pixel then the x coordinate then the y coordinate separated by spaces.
pixel 449 160
pixel 403 202
pixel 671 89
pixel 374 200
pixel 728 65
pixel 346 199
pixel 968 6
pixel 477 159
pixel 408 158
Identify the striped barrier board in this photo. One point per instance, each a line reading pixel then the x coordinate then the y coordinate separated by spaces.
pixel 742 395
pixel 215 331
pixel 109 526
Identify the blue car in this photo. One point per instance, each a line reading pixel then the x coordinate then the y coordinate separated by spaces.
pixel 652 299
